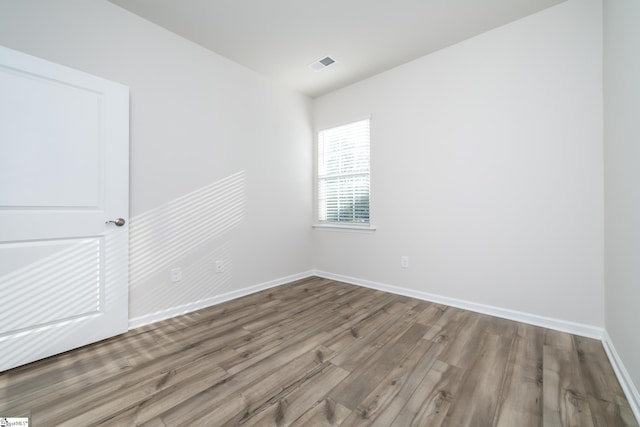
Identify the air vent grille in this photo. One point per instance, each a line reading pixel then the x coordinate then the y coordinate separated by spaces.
pixel 321 63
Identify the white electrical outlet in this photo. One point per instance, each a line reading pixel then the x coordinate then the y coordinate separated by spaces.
pixel 404 261
pixel 176 274
pixel 219 266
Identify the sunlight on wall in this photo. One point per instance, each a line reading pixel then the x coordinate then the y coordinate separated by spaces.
pixel 185 233
pixel 169 232
pixel 53 293
pixel 200 283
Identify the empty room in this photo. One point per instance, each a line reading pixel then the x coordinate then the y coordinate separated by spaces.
pixel 337 213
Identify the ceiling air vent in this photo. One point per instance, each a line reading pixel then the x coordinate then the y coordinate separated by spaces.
pixel 321 63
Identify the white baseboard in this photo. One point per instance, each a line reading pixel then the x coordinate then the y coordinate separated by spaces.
pixel 629 389
pixel 147 319
pixel 533 319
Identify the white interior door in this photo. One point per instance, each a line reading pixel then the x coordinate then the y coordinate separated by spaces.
pixel 64 172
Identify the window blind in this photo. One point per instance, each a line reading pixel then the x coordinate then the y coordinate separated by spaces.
pixel 343 173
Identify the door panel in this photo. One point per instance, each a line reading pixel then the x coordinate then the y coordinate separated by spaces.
pixel 64 172
pixel 67 267
pixel 64 165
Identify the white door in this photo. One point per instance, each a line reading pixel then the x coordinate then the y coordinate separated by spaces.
pixel 64 172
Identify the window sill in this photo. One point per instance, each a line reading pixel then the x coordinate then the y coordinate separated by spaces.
pixel 349 228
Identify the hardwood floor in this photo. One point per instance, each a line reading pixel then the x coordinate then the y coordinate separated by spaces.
pixel 321 353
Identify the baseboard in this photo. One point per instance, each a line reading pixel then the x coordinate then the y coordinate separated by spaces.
pixel 147 319
pixel 533 319
pixel 629 389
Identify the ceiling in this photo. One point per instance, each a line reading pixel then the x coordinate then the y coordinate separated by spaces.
pixel 280 38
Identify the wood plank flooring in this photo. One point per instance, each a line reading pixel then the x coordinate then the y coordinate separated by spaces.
pixel 322 353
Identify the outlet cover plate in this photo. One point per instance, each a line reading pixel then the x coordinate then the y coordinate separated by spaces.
pixel 219 266
pixel 404 261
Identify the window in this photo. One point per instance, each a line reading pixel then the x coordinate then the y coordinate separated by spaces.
pixel 343 174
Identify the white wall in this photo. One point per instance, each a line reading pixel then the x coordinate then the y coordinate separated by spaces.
pixel 487 169
pixel 622 181
pixel 210 140
pixel 487 161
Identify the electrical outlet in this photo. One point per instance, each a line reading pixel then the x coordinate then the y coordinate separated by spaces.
pixel 404 261
pixel 219 266
pixel 176 274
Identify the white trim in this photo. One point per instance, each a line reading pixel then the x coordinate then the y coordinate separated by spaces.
pixel 147 319
pixel 519 316
pixel 342 123
pixel 359 133
pixel 349 228
pixel 629 389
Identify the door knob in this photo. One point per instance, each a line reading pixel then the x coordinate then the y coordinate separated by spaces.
pixel 119 222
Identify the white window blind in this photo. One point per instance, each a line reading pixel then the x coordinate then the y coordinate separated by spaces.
pixel 343 174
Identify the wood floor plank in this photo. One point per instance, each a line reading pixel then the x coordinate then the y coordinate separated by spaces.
pixel 520 402
pixel 150 400
pixel 156 422
pixel 596 371
pixel 498 326
pixel 412 368
pixel 203 403
pixel 18 397
pixel 256 397
pixel 288 309
pixel 149 409
pixel 608 405
pixel 363 379
pixel 430 314
pixel 564 400
pixel 277 332
pixel 63 402
pixel 429 404
pixel 477 398
pixel 62 392
pixel 463 340
pixel 359 328
pixel 250 351
pixel 365 300
pixel 291 407
pixel 360 322
pixel 243 361
pixel 610 414
pixel 69 367
pixel 317 352
pixel 390 413
pixel 359 351
pixel 324 414
pixel 558 340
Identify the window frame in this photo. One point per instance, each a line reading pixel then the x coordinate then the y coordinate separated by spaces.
pixel 340 225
